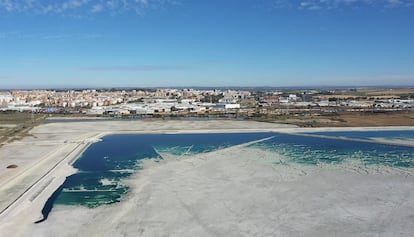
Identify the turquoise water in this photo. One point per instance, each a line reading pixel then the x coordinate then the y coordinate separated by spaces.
pixel 314 150
pixel 118 156
pixel 104 165
pixel 393 134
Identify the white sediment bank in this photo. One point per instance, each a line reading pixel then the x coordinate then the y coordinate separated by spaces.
pixel 239 192
pixel 230 192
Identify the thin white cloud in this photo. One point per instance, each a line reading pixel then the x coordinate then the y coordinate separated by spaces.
pixel 9 34
pixel 139 68
pixel 336 4
pixel 81 7
pixel 43 36
pixel 395 2
pixel 97 8
pixel 112 7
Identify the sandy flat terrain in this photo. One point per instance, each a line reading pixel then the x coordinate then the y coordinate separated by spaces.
pixel 230 192
pixel 42 158
pixel 238 192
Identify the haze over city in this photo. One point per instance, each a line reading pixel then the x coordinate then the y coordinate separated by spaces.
pixel 152 43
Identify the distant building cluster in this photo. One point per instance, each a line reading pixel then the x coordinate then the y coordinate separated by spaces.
pixel 121 101
pixel 193 101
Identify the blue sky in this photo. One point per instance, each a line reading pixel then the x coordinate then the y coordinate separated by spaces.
pixel 145 43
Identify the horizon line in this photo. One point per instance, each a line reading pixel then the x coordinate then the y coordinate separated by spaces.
pixel 205 87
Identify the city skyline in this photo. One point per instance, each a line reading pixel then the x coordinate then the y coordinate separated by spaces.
pixel 163 43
